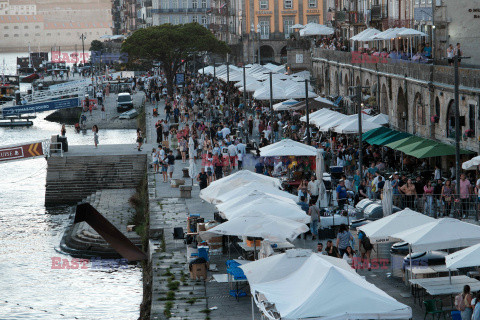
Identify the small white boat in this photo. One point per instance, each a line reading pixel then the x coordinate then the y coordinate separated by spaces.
pixel 129 114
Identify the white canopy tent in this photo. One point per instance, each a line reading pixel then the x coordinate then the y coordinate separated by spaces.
pixel 252 86
pixel 471 164
pixel 268 206
pixel 262 226
pixel 325 100
pixel 226 184
pixel 284 105
pixel 288 147
pixel 388 34
pixel 379 119
pixel 332 121
pixel 250 197
pixel 298 26
pixel 366 35
pixel 317 114
pixel 315 29
pixel 382 230
pixel 254 187
pixel 281 265
pixel 468 257
pixel 443 233
pixel 263 93
pixel 352 126
pixel 298 92
pixel 319 283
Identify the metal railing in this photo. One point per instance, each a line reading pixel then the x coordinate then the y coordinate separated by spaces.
pixel 436 205
pixel 56 147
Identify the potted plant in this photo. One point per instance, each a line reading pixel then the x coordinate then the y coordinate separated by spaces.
pixel 434 119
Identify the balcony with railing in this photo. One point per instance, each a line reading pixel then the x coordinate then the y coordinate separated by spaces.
pixel 341 16
pixel 356 17
pixel 379 12
pixel 180 10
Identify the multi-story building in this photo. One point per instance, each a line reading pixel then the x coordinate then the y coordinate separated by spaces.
pixel 181 11
pixel 144 14
pixel 267 25
pixel 18 7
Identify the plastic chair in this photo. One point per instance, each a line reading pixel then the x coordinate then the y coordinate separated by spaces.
pixel 431 308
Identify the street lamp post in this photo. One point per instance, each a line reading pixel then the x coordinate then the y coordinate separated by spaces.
pixel 307 112
pixel 259 35
pixel 358 100
pixel 83 37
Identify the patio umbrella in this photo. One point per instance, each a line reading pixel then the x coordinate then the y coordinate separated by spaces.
pixel 468 257
pixel 250 197
pixel 261 226
pixel 288 147
pixel 471 164
pixel 298 92
pixel 269 206
pixel 192 170
pixel 264 93
pixel 387 199
pixel 257 188
pixel 298 26
pixel 315 29
pixel 381 230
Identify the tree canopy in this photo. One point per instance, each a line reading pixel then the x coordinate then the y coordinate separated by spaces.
pixel 96 45
pixel 172 45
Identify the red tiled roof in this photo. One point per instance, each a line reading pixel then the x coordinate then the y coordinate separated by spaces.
pixel 20 19
pixel 76 25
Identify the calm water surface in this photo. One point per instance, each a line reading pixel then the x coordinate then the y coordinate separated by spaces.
pixel 29 234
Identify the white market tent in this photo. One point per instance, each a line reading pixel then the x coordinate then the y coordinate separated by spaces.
pixel 252 86
pixel 443 233
pixel 325 100
pixel 352 126
pixel 388 34
pixel 468 257
pixel 249 197
pixel 298 26
pixel 408 32
pixel 319 283
pixel 365 35
pixel 262 226
pixel 379 119
pixel 471 164
pixel 284 105
pixel 332 121
pixel 316 114
pixel 268 206
pixel 226 184
pixel 263 93
pixel 297 91
pixel 281 265
pixel 288 147
pixel 315 29
pixel 382 230
pixel 254 187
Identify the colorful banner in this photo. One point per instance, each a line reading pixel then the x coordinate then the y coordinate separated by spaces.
pixel 40 107
pixel 20 152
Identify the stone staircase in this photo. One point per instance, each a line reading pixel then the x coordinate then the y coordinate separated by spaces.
pixel 71 179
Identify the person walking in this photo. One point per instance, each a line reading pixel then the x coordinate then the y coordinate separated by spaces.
pixel 463 303
pixel 314 214
pixel 313 189
pixel 171 163
pixel 202 178
pixel 95 135
pixel 344 237
pixel 139 139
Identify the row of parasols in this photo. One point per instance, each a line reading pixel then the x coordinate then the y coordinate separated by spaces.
pixel 297 284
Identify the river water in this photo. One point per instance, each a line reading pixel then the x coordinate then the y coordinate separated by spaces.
pixel 30 234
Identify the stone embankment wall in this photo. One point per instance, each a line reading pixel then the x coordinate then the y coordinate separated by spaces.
pixel 72 178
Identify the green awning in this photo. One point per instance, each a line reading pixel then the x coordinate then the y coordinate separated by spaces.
pixel 403 142
pixel 438 150
pixel 388 137
pixel 411 147
pixel 375 132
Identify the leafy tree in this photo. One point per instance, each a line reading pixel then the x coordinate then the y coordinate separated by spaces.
pixel 172 45
pixel 96 45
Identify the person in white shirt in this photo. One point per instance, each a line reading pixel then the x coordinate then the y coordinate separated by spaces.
pixel 225 131
pixel 232 153
pixel 313 188
pixel 437 175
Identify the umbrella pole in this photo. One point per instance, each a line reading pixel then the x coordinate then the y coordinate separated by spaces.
pixel 253 310
pixel 410 253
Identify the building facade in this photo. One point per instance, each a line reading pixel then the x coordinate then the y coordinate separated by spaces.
pixel 181 12
pixel 268 25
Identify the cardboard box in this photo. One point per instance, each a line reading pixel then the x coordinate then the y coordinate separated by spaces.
pixel 198 271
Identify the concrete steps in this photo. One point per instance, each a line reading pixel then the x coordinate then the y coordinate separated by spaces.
pixel 75 177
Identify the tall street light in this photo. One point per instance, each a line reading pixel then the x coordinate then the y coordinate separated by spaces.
pixel 456 59
pixel 358 100
pixel 271 102
pixel 259 35
pixel 83 37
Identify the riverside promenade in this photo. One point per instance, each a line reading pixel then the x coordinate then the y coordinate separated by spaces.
pixel 168 210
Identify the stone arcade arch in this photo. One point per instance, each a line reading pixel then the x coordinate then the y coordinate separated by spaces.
pixel 384 101
pixel 267 54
